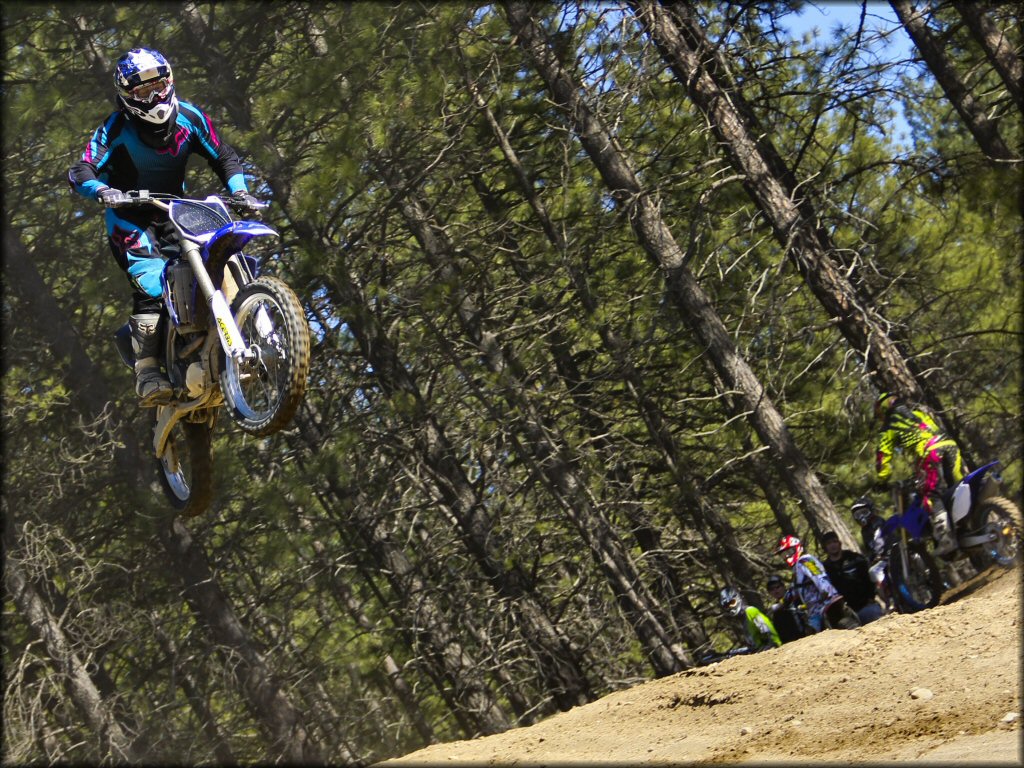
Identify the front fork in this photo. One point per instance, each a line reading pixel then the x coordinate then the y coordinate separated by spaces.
pixel 227 329
pixel 905 559
pixel 230 338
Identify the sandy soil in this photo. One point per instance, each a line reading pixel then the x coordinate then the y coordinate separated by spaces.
pixel 942 685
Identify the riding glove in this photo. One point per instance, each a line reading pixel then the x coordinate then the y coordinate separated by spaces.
pixel 246 199
pixel 110 197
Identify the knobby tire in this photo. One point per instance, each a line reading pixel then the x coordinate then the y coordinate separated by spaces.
pixel 190 443
pixel 285 368
pixel 930 578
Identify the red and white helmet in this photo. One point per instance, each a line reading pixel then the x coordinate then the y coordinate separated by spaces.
pixel 791 548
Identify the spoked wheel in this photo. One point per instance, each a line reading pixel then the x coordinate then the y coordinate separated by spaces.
pixel 921 585
pixel 999 516
pixel 264 392
pixel 185 471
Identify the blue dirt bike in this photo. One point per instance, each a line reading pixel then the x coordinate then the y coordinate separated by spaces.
pixel 230 336
pixel 986 524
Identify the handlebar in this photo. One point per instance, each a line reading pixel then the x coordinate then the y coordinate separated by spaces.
pixel 136 198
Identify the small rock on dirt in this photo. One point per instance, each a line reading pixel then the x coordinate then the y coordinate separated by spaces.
pixel 922 693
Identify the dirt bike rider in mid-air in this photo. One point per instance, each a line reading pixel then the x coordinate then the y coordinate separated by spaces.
pixel 145 144
pixel 938 462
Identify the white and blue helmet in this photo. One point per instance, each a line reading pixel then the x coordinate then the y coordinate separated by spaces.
pixel 145 86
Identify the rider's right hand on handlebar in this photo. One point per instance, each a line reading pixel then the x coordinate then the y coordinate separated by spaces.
pixel 245 200
pixel 111 197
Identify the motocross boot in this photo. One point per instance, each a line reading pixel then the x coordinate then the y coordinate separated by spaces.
pixel 151 385
pixel 942 531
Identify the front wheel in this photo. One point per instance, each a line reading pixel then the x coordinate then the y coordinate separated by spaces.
pixel 998 516
pixel 264 391
pixel 915 579
pixel 185 470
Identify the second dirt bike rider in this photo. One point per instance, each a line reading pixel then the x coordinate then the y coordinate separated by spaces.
pixel 145 144
pixel 938 467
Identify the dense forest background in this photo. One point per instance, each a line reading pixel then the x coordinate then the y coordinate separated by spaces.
pixel 601 294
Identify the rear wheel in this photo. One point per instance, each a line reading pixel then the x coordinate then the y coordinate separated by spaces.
pixel 916 580
pixel 999 516
pixel 185 470
pixel 264 392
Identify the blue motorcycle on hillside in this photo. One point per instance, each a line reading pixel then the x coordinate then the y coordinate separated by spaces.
pixel 987 526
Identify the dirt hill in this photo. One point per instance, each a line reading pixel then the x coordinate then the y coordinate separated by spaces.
pixel 942 685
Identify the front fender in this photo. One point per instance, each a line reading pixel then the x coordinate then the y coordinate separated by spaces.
pixel 232 238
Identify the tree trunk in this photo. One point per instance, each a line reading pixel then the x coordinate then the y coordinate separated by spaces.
pixel 471 699
pixel 997 47
pixel 700 514
pixel 193 690
pixel 654 235
pixel 770 185
pixel 290 740
pixel 399 687
pixel 551 459
pixel 984 129
pixel 98 715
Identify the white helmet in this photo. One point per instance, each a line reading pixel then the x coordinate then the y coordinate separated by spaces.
pixel 145 86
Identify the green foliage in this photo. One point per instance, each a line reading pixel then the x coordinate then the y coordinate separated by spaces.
pixel 507 418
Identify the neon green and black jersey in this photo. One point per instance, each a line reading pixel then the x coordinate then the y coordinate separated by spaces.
pixel 760 630
pixel 913 430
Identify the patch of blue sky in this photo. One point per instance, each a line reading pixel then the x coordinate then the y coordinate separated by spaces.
pixel 882 39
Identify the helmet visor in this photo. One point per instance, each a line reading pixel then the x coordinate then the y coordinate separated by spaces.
pixel 154 90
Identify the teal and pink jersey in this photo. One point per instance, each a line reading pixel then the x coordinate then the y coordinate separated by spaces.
pixel 119 155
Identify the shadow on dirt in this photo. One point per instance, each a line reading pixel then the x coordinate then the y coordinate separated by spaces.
pixel 971 586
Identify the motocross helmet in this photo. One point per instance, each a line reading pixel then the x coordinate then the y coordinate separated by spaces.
pixel 884 404
pixel 730 600
pixel 791 549
pixel 145 90
pixel 862 509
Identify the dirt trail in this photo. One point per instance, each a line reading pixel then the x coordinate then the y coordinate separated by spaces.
pixel 942 685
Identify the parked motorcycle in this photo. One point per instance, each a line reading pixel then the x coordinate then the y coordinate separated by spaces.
pixel 986 524
pixel 229 336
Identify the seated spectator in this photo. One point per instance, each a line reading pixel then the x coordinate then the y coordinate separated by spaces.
pixel 870 523
pixel 761 633
pixel 826 606
pixel 848 572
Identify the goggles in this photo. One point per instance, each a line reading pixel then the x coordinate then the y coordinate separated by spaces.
pixel 154 90
pixel 788 552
